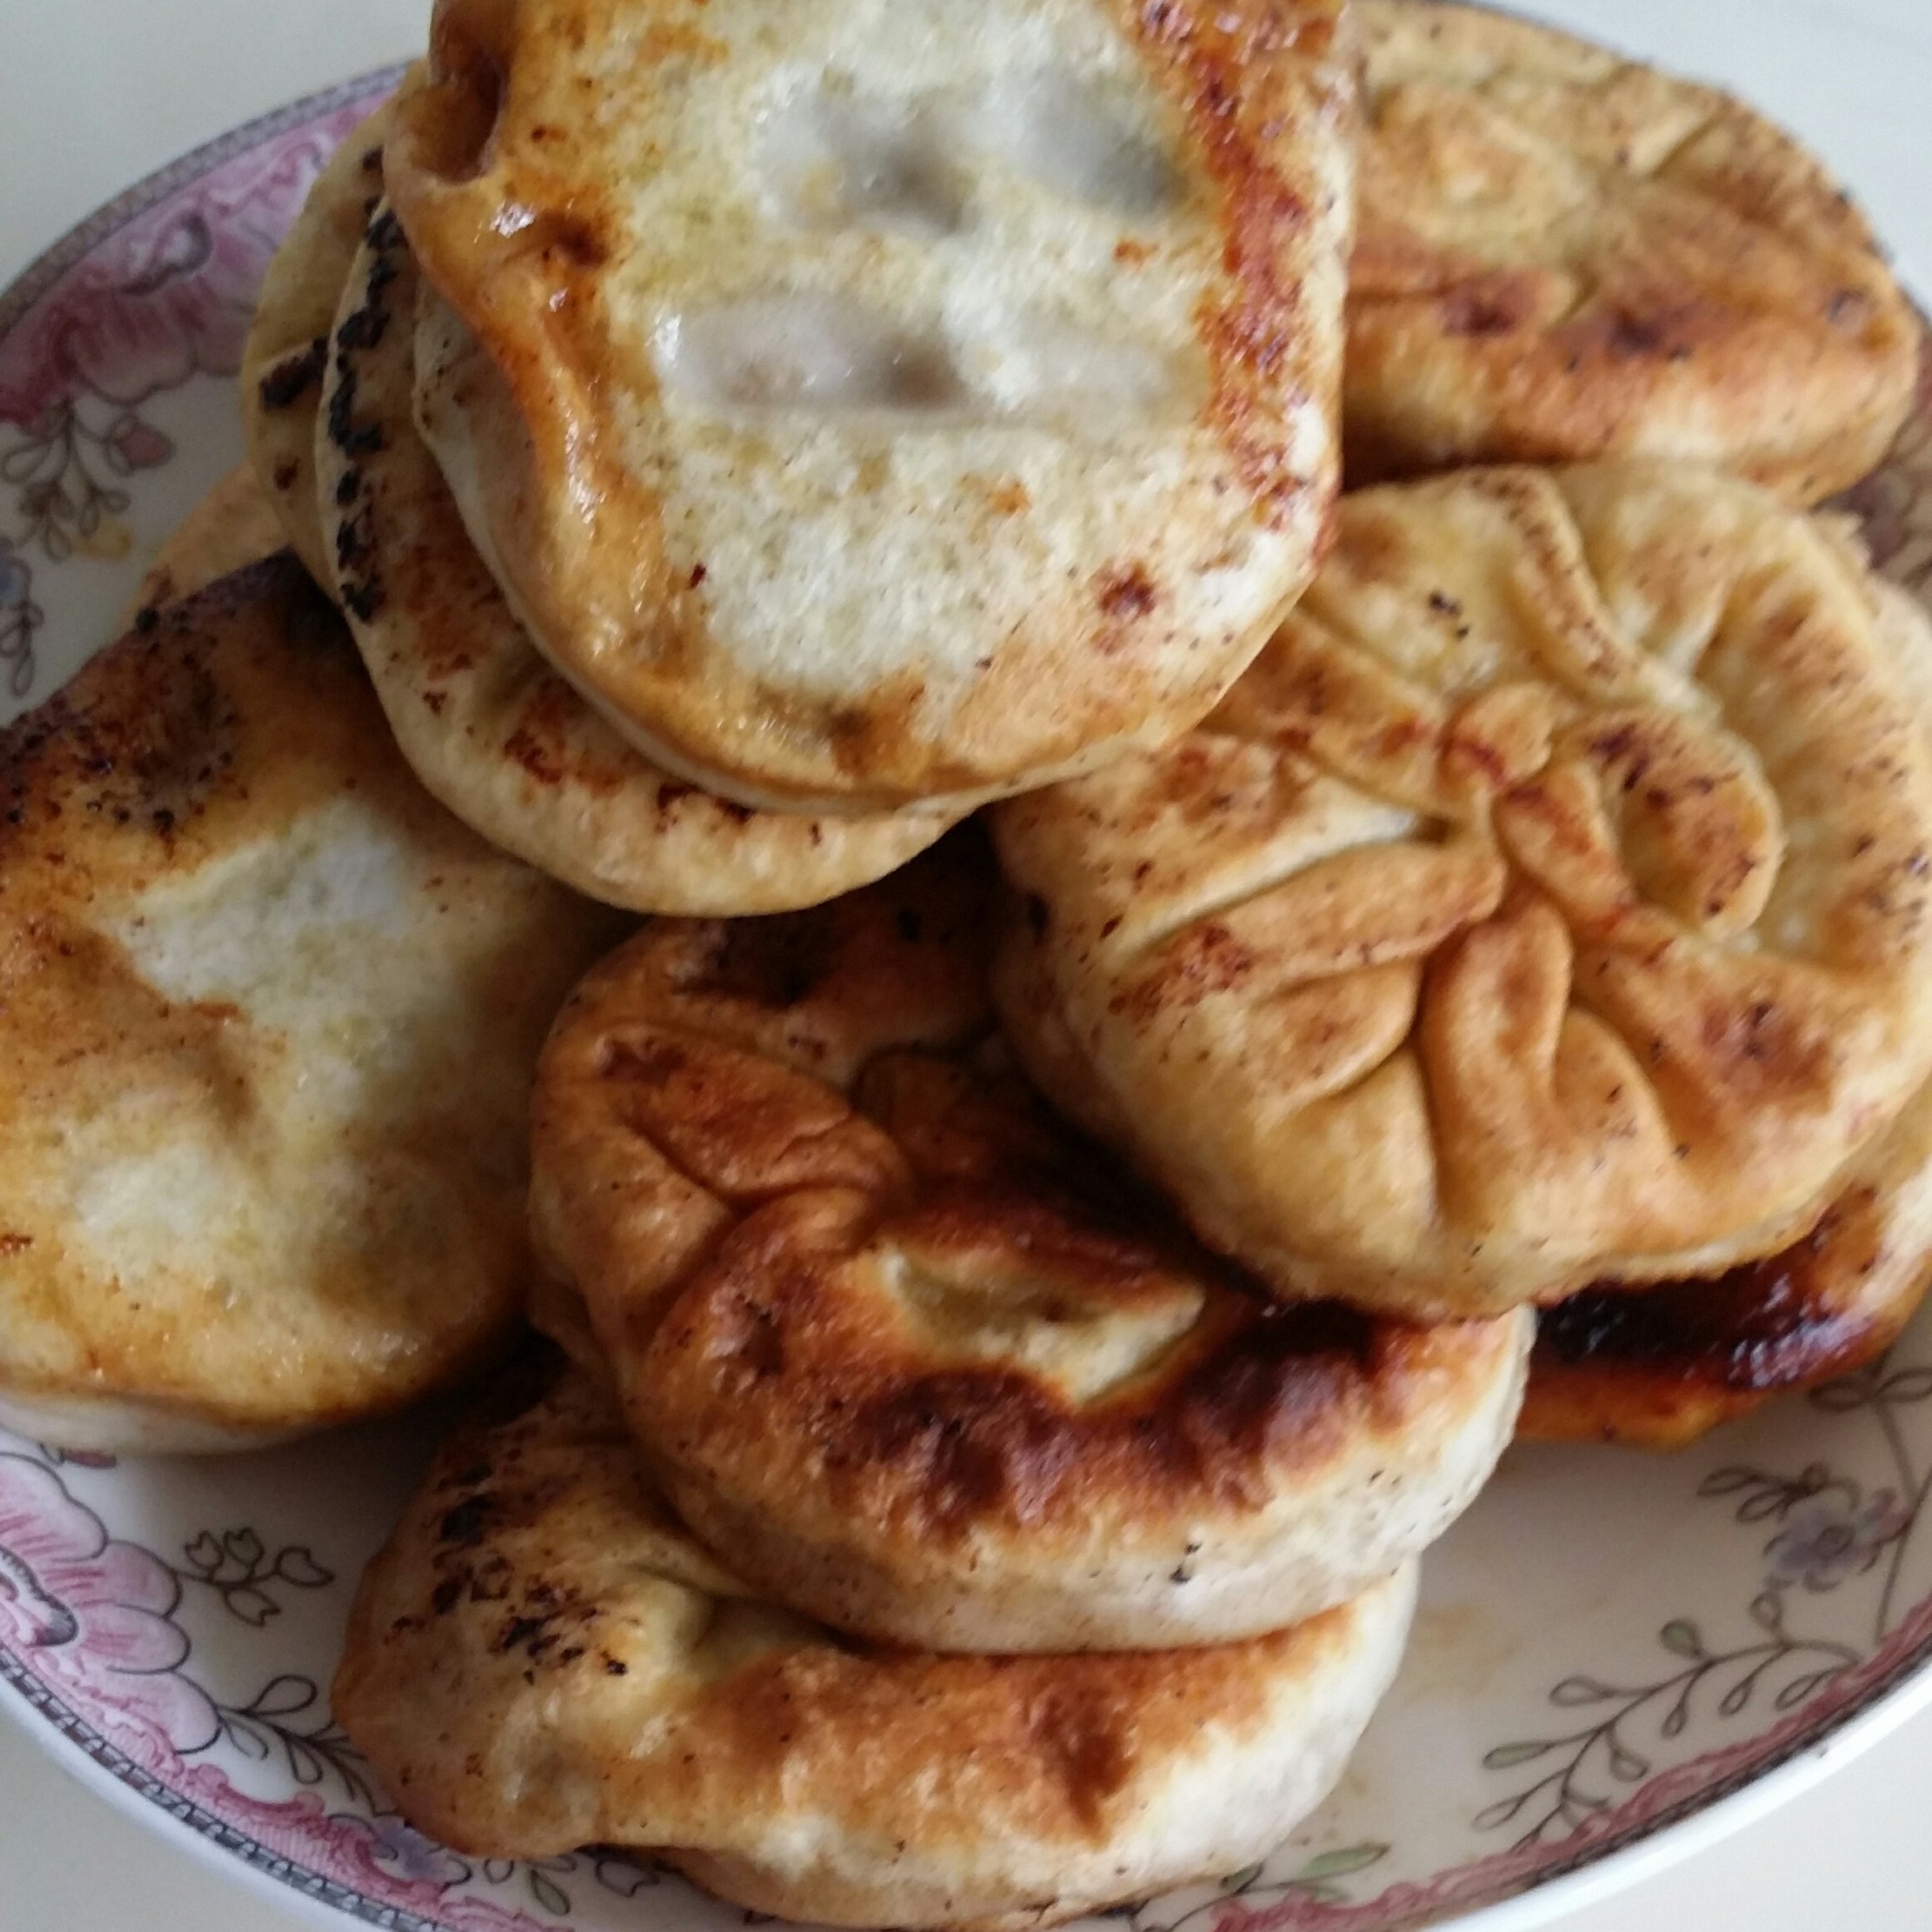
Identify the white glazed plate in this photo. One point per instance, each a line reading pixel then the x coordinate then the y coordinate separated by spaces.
pixel 1617 1655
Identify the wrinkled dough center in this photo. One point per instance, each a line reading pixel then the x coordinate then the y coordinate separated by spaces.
pixel 1012 1310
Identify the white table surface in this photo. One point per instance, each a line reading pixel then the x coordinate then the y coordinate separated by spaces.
pixel 93 93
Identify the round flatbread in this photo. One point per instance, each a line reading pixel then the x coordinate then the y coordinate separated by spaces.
pixel 541 1658
pixel 869 405
pixel 1560 255
pixel 1658 1367
pixel 923 1363
pixel 489 727
pixel 1549 901
pixel 269 1016
pixel 286 357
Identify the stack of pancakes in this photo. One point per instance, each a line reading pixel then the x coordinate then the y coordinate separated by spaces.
pixel 1022 1295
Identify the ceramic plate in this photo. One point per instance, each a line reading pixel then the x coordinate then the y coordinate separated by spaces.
pixel 1616 1654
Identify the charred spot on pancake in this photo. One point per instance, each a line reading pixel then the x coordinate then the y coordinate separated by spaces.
pixel 1763 1325
pixel 288 379
pixel 1126 594
pixel 775 963
pixel 146 732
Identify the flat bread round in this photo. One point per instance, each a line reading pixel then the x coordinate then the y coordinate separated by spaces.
pixel 1549 902
pixel 286 357
pixel 870 404
pixel 269 1016
pixel 489 727
pixel 1658 1367
pixel 1561 256
pixel 922 1363
pixel 541 1658
pixel 235 524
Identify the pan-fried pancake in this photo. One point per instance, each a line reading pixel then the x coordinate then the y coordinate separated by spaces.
pixel 489 727
pixel 1659 1367
pixel 269 1016
pixel 285 360
pixel 871 404
pixel 541 1658
pixel 1562 255
pixel 1549 901
pixel 922 1363
pixel 232 525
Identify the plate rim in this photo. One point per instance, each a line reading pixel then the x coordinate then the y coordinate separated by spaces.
pixel 1599 1867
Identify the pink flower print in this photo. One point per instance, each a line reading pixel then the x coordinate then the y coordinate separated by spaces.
pixel 170 294
pixel 93 1617
pixel 133 445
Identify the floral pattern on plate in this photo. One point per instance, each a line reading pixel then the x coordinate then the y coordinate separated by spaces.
pixel 1609 1643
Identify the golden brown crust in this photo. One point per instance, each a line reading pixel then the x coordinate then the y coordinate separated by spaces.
pixel 488 726
pixel 284 361
pixel 541 1658
pixel 1561 256
pixel 220 1203
pixel 925 1364
pixel 523 225
pixel 1548 902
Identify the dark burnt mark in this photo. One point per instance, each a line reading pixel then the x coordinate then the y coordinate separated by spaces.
pixel 364 600
pixel 982 1442
pixel 384 234
pixel 1478 310
pixel 463 1526
pixel 697 574
pixel 363 328
pixel 1079 1737
pixel 911 926
pixel 352 439
pixel 1762 1326
pixel 355 538
pixel 348 486
pixel 1038 917
pixel 517 1633
pixel 145 618
pixel 287 381
pixel 775 963
pixel 1444 605
pixel 1126 595
pixel 1633 335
